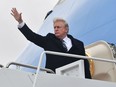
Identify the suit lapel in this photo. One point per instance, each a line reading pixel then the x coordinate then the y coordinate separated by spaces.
pixel 57 42
pixel 72 41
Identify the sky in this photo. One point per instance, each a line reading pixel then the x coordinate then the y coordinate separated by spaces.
pixel 12 42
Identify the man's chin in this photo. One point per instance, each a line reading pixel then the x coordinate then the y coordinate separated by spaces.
pixel 57 35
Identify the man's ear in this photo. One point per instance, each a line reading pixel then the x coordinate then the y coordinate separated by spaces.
pixel 67 30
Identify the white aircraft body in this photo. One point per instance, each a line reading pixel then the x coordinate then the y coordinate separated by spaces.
pixel 91 21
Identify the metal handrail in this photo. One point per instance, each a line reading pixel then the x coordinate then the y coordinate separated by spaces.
pixel 67 55
pixel 28 66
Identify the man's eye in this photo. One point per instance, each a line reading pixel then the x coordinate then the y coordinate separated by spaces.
pixel 57 27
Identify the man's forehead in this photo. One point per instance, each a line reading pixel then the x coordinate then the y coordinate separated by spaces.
pixel 59 22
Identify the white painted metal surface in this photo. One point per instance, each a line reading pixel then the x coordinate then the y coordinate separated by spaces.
pixel 75 69
pixel 102 70
pixel 16 78
pixel 69 55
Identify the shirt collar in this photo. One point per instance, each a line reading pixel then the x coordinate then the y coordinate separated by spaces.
pixel 66 38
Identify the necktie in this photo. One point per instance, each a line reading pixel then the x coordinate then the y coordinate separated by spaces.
pixel 64 45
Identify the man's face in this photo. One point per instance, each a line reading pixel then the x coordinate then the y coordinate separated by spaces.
pixel 60 29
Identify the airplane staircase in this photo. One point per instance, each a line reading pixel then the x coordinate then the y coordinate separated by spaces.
pixel 17 78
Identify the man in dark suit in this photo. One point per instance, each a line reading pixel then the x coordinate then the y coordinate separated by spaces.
pixel 53 42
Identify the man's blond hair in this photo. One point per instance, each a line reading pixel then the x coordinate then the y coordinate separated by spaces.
pixel 61 19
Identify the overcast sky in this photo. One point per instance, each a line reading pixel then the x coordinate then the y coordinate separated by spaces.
pixel 12 42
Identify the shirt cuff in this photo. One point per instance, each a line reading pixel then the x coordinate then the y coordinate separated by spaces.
pixel 21 25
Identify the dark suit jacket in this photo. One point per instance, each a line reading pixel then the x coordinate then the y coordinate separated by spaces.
pixel 52 43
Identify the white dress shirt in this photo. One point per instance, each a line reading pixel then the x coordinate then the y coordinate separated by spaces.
pixel 68 42
pixel 21 25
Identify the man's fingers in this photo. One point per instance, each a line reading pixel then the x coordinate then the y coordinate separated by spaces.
pixel 11 14
pixel 14 11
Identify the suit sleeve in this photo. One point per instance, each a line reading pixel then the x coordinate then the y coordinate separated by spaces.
pixel 83 49
pixel 33 37
pixel 80 46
